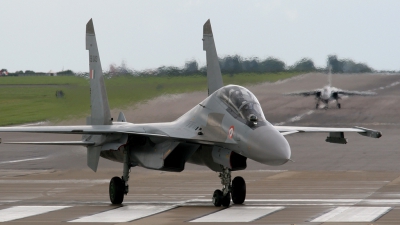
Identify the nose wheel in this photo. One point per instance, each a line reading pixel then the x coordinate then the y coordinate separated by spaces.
pixel 236 189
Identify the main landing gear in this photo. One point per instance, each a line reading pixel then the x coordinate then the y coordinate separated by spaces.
pixel 119 186
pixel 237 190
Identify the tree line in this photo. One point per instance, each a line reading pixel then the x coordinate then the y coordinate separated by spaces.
pixel 233 64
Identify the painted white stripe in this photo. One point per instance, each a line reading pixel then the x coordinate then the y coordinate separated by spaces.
pixel 22 160
pixel 18 212
pixel 238 214
pixel 292 200
pixel 353 214
pixel 124 214
pixel 81 181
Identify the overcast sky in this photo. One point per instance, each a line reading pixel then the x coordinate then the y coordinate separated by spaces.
pixel 50 35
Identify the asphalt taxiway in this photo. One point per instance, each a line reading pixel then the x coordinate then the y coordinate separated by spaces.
pixel 327 184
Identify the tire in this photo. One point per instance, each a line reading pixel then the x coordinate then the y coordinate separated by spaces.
pixel 217 198
pixel 238 190
pixel 226 200
pixel 116 190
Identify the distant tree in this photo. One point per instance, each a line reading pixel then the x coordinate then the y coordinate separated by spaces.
pixel 336 65
pixel 19 72
pixel 191 67
pixel 350 66
pixel 347 66
pixel 304 65
pixel 168 71
pixel 29 71
pixel 231 64
pixel 272 65
pixel 66 72
pixel 250 65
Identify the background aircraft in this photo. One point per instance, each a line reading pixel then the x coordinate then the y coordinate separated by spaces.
pixel 221 132
pixel 329 93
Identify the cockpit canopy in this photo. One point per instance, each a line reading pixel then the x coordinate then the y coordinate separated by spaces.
pixel 242 105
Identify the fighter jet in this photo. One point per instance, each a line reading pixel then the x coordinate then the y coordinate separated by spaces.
pixel 328 93
pixel 221 132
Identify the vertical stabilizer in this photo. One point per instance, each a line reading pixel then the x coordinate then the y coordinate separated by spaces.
pixel 214 77
pixel 330 76
pixel 100 111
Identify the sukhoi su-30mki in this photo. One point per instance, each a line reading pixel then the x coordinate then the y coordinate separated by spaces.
pixel 220 132
pixel 328 94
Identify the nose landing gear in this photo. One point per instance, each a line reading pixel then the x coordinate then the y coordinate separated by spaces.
pixel 237 190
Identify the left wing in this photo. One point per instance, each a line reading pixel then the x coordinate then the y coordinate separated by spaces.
pixel 361 93
pixel 336 135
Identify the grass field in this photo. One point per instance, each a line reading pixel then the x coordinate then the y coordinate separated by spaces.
pixel 31 99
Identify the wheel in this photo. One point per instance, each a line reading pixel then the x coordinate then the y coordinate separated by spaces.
pixel 226 200
pixel 238 190
pixel 316 106
pixel 116 190
pixel 338 105
pixel 217 198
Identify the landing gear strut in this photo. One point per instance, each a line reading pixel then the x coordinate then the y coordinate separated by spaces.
pixel 237 189
pixel 119 186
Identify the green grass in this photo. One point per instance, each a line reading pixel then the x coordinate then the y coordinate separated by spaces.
pixel 32 98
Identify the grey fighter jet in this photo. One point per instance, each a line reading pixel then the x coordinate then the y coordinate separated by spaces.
pixel 328 93
pixel 220 132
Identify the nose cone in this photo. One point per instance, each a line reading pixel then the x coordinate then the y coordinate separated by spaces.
pixel 266 145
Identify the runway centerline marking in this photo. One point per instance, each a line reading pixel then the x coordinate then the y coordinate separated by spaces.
pixel 19 212
pixel 238 214
pixel 22 160
pixel 353 214
pixel 124 214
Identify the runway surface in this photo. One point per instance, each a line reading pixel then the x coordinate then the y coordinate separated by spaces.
pixel 327 184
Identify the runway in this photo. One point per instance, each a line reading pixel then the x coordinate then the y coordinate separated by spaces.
pixel 327 184
pixel 274 197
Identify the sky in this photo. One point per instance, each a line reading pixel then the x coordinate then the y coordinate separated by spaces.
pixel 44 35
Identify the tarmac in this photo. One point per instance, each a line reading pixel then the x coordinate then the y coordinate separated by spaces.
pixel 357 183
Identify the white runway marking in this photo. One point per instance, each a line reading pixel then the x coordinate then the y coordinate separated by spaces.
pixel 81 181
pixel 18 212
pixel 295 202
pixel 353 214
pixel 22 160
pixel 238 214
pixel 124 214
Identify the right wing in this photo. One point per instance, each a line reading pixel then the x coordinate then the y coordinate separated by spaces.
pixel 336 135
pixel 304 93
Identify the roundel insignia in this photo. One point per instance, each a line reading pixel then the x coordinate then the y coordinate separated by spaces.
pixel 231 131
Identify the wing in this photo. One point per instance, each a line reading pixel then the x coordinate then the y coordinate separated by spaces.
pixel 361 93
pixel 81 143
pixel 336 135
pixel 161 130
pixel 304 93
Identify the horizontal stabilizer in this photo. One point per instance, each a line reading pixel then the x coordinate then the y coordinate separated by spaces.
pixel 81 143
